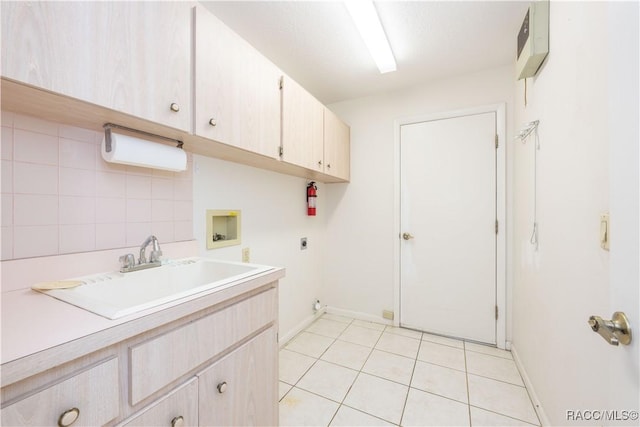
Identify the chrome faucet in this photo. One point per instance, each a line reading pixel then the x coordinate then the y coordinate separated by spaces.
pixel 128 263
pixel 156 253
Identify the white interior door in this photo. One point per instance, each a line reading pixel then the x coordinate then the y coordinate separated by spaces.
pixel 448 220
pixel 623 362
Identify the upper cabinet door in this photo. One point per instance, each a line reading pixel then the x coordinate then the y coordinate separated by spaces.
pixel 237 89
pixel 302 127
pixel 337 146
pixel 133 57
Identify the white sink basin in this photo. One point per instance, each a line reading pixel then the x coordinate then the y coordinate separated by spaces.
pixel 114 295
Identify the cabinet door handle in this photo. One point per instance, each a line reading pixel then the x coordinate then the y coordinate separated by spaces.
pixel 68 417
pixel 328 165
pixel 177 421
pixel 222 387
pixel 175 107
pixel 319 162
pixel 212 122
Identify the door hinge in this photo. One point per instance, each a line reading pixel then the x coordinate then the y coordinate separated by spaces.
pixel 281 82
pixel 496 312
pixel 496 226
pixel 281 151
pixel 496 140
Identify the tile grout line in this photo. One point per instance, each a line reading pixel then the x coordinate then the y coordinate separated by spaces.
pixel 503 415
pixel 311 366
pixel 415 363
pixel 494 379
pixel 466 376
pixel 355 378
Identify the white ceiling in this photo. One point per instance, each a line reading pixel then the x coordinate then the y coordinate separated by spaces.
pixel 316 43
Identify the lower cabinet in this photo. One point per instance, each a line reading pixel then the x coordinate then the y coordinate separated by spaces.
pixel 216 367
pixel 238 390
pixel 241 388
pixel 178 409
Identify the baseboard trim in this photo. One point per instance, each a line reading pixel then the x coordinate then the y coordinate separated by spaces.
pixel 542 416
pixel 284 339
pixel 358 315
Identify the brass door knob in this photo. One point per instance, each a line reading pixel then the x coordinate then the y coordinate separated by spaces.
pixel 407 236
pixel 175 107
pixel 615 331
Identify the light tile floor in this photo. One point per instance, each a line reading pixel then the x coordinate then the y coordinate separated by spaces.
pixel 346 372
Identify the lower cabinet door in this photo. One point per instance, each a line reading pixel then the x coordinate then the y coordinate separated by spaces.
pixel 178 409
pixel 241 388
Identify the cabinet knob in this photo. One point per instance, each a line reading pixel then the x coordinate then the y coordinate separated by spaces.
pixel 319 162
pixel 222 387
pixel 328 165
pixel 177 421
pixel 213 122
pixel 68 417
pixel 175 107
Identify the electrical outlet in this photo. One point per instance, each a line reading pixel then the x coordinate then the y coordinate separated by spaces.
pixel 246 255
pixel 387 314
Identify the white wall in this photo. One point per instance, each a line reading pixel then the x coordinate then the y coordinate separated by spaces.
pixel 274 218
pixel 360 225
pixel 558 287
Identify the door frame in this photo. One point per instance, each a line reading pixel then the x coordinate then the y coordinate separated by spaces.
pixel 501 172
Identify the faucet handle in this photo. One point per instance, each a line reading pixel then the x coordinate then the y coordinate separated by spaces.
pixel 127 261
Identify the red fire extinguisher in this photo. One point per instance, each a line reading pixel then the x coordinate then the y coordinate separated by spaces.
pixel 311 198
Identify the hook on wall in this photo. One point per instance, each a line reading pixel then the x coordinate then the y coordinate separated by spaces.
pixel 527 130
pixel 523 135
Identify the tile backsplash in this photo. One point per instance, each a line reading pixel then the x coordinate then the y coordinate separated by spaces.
pixel 59 196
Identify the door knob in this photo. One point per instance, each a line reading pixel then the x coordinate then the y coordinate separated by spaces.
pixel 615 331
pixel 407 236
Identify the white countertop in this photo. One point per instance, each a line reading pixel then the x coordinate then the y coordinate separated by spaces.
pixel 39 332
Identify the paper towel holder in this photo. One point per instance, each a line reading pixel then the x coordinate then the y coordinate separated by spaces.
pixel 107 135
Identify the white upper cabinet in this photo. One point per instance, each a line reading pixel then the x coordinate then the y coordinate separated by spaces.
pixel 236 89
pixel 133 57
pixel 337 146
pixel 302 127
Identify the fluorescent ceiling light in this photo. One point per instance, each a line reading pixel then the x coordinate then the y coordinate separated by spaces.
pixel 364 14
